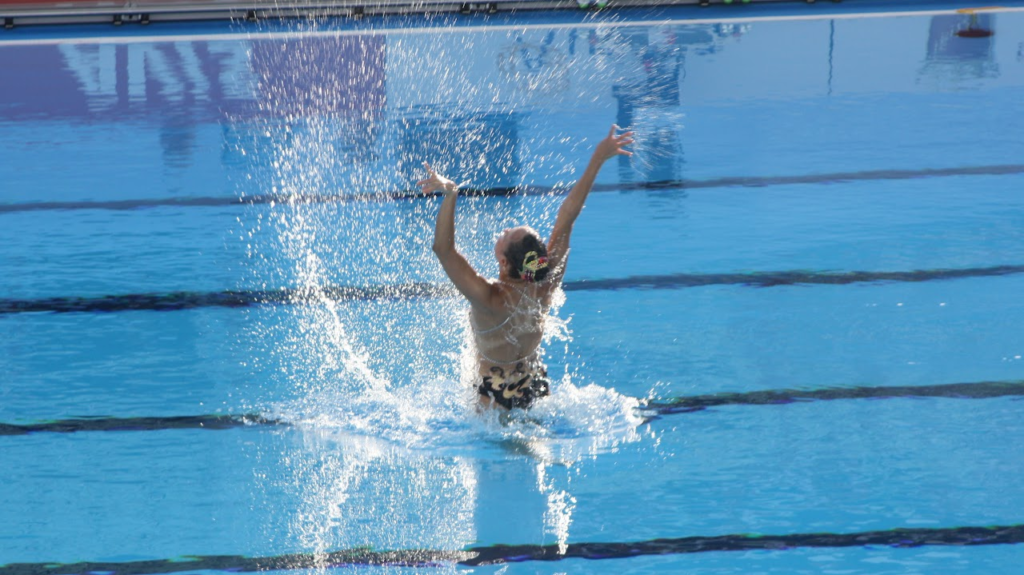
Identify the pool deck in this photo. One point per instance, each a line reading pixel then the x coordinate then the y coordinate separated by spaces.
pixel 18 13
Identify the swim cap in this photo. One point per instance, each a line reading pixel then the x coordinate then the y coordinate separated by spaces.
pixel 532 263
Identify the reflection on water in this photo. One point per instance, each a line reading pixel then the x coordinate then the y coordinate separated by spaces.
pixel 487 151
pixel 520 98
pixel 359 491
pixel 499 482
pixel 177 139
pixel 651 100
pixel 952 59
pixel 476 100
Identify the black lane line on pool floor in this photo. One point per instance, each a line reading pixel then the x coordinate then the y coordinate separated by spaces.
pixel 979 390
pixel 101 423
pixel 685 404
pixel 174 301
pixel 498 554
pixel 683 184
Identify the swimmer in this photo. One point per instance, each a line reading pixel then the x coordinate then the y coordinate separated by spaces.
pixel 507 314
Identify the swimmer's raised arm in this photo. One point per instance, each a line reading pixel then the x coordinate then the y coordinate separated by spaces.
pixel 558 245
pixel 471 284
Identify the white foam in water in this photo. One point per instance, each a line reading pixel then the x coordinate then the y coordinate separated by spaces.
pixel 344 394
pixel 374 376
pixel 575 422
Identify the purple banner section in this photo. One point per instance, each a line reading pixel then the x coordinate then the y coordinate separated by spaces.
pixel 339 74
pixel 197 79
pixel 37 84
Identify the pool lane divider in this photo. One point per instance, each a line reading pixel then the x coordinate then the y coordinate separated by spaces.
pixel 173 301
pixel 653 409
pixel 500 554
pixel 386 196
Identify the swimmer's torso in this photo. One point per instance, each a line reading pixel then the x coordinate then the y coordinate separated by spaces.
pixel 508 347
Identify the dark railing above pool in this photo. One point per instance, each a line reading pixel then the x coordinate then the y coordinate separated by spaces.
pixel 34 12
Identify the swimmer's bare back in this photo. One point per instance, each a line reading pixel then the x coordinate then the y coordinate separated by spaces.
pixel 507 314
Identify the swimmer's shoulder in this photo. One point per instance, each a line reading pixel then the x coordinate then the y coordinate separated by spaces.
pixel 498 302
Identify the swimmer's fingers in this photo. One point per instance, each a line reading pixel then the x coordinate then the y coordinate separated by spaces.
pixel 622 140
pixel 427 187
pixel 612 145
pixel 622 145
pixel 435 182
pixel 430 183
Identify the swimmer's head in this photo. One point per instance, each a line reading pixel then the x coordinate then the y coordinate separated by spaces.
pixel 521 254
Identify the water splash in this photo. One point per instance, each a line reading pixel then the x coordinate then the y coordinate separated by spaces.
pixel 381 391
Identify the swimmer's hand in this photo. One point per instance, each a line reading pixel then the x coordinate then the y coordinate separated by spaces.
pixel 613 145
pixel 435 182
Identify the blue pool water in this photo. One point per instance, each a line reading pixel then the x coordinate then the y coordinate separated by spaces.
pixel 795 311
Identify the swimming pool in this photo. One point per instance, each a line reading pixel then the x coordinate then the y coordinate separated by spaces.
pixel 791 339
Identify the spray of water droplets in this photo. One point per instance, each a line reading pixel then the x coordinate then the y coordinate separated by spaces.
pixel 382 386
pixel 341 127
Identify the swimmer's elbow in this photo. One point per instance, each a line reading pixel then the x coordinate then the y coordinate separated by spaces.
pixel 442 250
